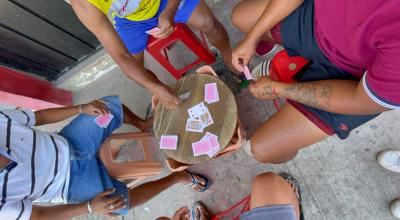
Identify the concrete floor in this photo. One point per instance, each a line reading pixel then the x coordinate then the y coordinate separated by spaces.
pixel 339 179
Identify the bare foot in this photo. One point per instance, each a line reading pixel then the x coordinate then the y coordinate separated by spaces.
pixel 200 213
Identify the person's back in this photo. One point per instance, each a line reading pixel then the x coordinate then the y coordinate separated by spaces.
pixel 363 37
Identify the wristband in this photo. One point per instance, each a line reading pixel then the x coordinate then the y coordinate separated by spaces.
pixel 89 207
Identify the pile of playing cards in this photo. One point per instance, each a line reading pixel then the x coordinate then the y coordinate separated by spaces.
pixel 207 145
pixel 199 118
pixel 169 142
pixel 103 120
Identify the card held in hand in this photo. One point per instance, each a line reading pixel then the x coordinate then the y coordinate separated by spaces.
pixel 153 31
pixel 103 120
pixel 211 93
pixel 169 142
pixel 194 125
pixel 247 73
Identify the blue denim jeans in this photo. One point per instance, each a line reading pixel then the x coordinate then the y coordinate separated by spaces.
pixel 88 176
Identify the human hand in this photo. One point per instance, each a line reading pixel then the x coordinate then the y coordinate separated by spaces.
pixel 166 97
pixel 182 214
pixel 102 204
pixel 96 107
pixel 264 88
pixel 243 53
pixel 165 24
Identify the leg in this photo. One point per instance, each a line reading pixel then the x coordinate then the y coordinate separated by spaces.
pixel 140 58
pixel 203 20
pixel 283 135
pixel 146 191
pixel 246 14
pixel 131 118
pixel 270 189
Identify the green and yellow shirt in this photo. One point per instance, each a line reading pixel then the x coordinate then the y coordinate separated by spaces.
pixel 135 10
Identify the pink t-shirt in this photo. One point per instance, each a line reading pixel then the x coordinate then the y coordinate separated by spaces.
pixel 362 37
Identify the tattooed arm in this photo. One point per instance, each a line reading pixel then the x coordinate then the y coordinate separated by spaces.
pixel 338 96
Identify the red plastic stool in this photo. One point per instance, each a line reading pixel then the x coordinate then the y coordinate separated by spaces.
pixel 183 33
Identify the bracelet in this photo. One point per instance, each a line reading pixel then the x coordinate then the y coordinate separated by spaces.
pixel 89 207
pixel 80 109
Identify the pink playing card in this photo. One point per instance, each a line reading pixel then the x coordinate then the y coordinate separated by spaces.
pixel 104 120
pixel 153 31
pixel 201 147
pixel 213 143
pixel 169 142
pixel 247 73
pixel 211 93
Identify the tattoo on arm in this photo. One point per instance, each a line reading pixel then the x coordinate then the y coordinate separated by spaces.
pixel 314 94
pixel 265 91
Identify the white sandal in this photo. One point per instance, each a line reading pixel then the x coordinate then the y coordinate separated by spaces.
pixel 261 70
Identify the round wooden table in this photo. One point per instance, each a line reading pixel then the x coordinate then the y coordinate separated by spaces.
pixel 170 122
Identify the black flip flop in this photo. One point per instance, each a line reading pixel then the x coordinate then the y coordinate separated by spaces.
pixel 290 179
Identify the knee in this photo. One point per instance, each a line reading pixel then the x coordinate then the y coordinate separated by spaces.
pixel 264 179
pixel 237 17
pixel 208 25
pixel 163 218
pixel 261 152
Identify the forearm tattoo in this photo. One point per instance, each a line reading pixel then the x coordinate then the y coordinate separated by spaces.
pixel 314 94
pixel 265 91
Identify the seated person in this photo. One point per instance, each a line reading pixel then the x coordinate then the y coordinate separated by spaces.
pixel 38 166
pixel 127 42
pixel 273 197
pixel 353 75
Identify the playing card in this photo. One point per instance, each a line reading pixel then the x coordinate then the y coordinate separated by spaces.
pixel 213 142
pixel 206 119
pixel 103 120
pixel 211 93
pixel 214 146
pixel 197 110
pixel 184 96
pixel 247 73
pixel 169 142
pixel 153 31
pixel 194 125
pixel 201 147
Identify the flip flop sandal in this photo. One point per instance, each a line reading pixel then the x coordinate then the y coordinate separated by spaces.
pixel 196 182
pixel 196 206
pixel 292 181
pixel 261 70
